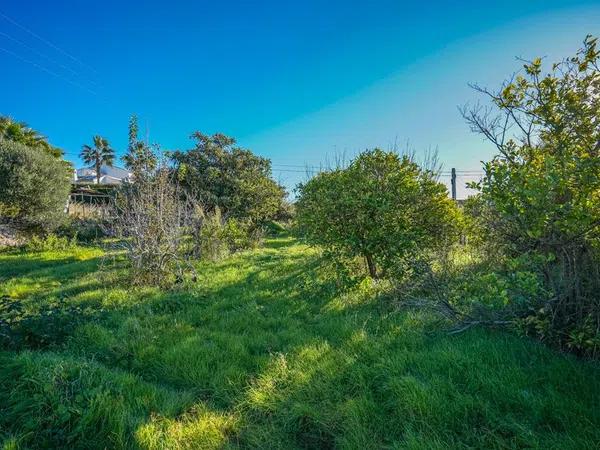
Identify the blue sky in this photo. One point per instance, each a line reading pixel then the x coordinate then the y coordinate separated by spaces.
pixel 297 82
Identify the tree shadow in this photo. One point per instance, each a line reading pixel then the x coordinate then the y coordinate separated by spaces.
pixel 267 342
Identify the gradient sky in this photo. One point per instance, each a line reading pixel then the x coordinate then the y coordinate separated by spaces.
pixel 298 82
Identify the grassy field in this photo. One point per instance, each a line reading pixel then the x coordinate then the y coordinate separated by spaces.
pixel 265 352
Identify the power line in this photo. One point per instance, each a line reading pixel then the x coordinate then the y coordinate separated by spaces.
pixel 31 49
pixel 46 57
pixel 325 167
pixel 45 69
pixel 313 170
pixel 47 42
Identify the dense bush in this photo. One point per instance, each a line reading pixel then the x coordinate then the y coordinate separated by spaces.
pixel 50 243
pixel 163 226
pixel 85 230
pixel 34 185
pixel 540 196
pixel 383 207
pixel 219 174
pixel 214 237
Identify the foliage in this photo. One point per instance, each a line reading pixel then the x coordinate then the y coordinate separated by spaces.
pixel 85 230
pixel 140 158
pixel 34 186
pixel 214 237
pixel 51 242
pixel 150 221
pixel 101 153
pixel 47 325
pixel 286 213
pixel 265 352
pixel 276 228
pixel 541 194
pixel 20 132
pixel 73 403
pixel 383 207
pixel 220 174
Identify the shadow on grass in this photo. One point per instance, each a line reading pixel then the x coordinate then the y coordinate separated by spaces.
pixel 266 352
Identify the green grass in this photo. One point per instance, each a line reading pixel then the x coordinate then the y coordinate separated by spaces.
pixel 265 352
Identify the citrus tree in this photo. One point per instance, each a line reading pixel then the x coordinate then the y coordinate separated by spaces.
pixel 383 208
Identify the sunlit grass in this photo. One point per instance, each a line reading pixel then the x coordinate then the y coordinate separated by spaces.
pixel 265 351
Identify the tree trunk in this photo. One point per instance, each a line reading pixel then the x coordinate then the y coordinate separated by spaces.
pixel 97 171
pixel 371 266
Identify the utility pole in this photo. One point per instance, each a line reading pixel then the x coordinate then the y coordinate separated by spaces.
pixel 453 184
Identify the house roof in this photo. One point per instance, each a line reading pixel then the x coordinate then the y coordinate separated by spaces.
pixel 108 175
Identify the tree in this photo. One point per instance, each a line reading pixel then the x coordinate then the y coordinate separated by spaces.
pixel 383 207
pixel 141 157
pixel 101 153
pixel 34 185
pixel 152 218
pixel 20 132
pixel 541 193
pixel 220 174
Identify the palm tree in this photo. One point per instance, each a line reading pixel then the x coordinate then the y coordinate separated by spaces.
pixel 100 153
pixel 20 132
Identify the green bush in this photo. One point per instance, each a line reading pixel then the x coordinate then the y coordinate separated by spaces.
pixel 490 292
pixel 239 235
pixel 50 243
pixel 540 196
pixel 23 325
pixel 34 186
pixel 84 230
pixel 215 237
pixel 383 208
pixel 220 174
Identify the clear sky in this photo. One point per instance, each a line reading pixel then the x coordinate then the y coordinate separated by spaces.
pixel 297 82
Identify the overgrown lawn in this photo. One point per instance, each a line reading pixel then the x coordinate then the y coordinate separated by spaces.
pixel 265 351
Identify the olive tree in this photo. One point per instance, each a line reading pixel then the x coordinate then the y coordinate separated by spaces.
pixel 34 185
pixel 382 207
pixel 221 174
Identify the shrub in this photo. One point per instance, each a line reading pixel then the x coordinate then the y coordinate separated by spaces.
pixel 34 186
pixel 85 230
pixel 540 196
pixel 208 236
pixel 383 208
pixel 220 174
pixel 23 326
pixel 214 237
pixel 501 293
pixel 151 221
pixel 50 243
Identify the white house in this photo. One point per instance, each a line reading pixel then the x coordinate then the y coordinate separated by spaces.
pixel 108 175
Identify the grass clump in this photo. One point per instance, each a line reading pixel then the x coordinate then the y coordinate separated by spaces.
pixel 53 401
